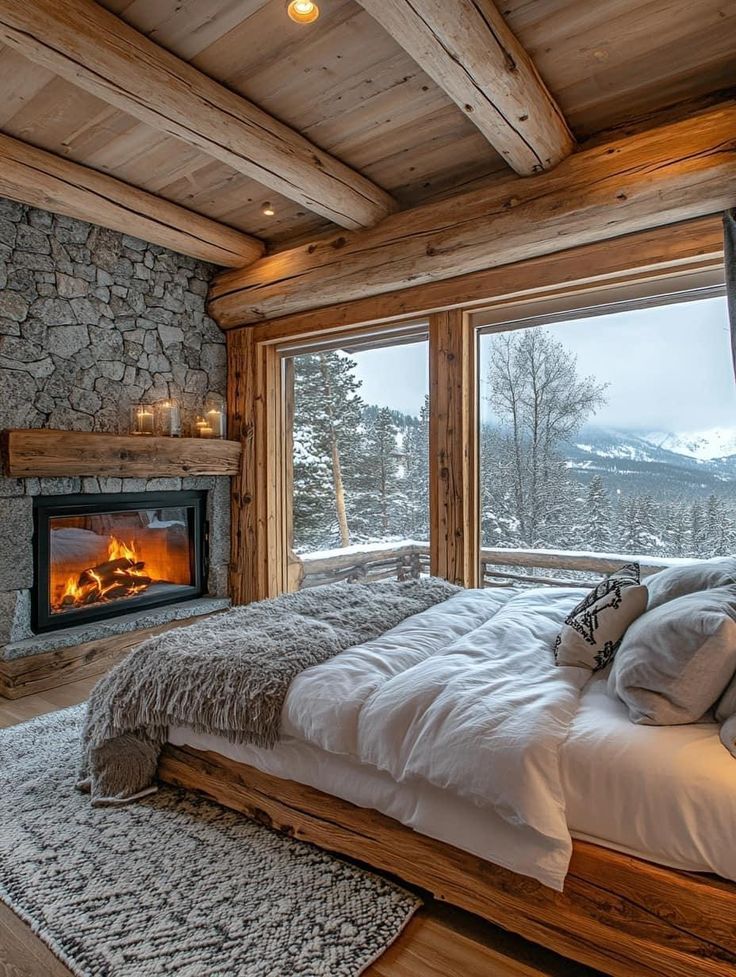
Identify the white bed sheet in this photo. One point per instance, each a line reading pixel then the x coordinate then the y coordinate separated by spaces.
pixel 666 794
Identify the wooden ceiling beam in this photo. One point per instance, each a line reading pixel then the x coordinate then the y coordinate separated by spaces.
pixel 471 53
pixel 673 173
pixel 33 176
pixel 97 51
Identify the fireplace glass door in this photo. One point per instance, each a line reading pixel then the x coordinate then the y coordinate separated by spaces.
pixel 100 556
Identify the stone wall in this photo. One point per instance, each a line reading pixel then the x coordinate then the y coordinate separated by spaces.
pixel 92 321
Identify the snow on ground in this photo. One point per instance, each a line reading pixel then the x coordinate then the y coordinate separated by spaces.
pixel 395 545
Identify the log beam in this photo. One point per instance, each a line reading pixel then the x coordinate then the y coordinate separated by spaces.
pixel 471 53
pixel 33 176
pixel 672 173
pixel 95 50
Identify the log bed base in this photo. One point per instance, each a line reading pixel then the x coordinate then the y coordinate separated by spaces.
pixel 625 916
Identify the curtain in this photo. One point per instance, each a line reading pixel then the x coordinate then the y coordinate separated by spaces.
pixel 729 247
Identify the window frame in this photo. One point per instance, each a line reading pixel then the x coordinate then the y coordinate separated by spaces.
pixel 679 255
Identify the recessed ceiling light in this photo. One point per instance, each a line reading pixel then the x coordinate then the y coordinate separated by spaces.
pixel 303 11
pixel 267 209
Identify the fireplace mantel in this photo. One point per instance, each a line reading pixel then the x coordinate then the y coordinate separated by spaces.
pixel 41 452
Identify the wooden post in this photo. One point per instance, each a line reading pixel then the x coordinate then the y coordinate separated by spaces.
pixel 453 449
pixel 258 564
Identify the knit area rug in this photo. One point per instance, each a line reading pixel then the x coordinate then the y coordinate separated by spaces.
pixel 174 885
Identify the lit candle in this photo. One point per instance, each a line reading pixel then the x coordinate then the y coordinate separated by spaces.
pixel 214 412
pixel 216 421
pixel 142 419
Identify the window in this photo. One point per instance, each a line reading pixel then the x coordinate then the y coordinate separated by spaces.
pixel 358 420
pixel 607 432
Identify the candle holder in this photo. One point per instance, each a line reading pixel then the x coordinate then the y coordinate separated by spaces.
pixel 142 419
pixel 214 420
pixel 168 418
pixel 202 429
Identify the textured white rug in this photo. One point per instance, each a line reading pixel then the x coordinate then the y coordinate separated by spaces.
pixel 174 885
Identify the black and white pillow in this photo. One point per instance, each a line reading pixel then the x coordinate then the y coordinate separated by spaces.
pixel 595 627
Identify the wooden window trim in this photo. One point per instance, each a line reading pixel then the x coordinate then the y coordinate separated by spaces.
pixel 260 522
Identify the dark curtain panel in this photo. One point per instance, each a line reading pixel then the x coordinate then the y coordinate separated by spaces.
pixel 729 245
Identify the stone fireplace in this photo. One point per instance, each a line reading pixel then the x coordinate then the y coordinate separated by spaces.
pixel 92 321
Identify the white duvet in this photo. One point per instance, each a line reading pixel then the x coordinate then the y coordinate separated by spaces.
pixel 494 749
pixel 465 697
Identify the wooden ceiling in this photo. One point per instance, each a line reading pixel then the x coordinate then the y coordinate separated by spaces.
pixel 351 90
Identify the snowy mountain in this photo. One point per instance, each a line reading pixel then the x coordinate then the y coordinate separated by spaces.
pixel 716 442
pixel 634 463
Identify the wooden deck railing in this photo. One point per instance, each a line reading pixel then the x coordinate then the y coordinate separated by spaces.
pixel 402 561
pixel 499 567
pixel 557 568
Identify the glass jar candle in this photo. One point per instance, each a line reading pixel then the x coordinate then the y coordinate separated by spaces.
pixel 214 415
pixel 142 419
pixel 202 429
pixel 168 419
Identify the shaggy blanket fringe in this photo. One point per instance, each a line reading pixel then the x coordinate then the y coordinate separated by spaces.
pixel 228 675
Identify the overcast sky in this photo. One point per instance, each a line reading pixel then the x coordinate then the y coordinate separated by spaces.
pixel 669 368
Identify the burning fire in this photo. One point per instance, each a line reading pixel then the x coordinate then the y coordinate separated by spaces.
pixel 121 575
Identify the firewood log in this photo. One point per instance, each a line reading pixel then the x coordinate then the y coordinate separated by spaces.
pixel 106 571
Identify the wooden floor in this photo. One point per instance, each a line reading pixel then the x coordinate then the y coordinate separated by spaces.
pixel 438 942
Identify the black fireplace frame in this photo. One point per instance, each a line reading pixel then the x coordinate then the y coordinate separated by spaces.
pixel 46 507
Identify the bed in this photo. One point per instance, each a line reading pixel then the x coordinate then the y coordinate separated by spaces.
pixel 637 879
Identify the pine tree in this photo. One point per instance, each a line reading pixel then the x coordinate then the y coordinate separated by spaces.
pixel 674 519
pixel 697 547
pixel 499 522
pixel 638 526
pixel 718 528
pixel 327 416
pixel 598 511
pixel 416 474
pixel 380 500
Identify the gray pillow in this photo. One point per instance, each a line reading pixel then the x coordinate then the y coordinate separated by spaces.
pixel 594 628
pixel 688 579
pixel 676 661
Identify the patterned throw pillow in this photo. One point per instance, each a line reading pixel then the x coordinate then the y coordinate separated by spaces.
pixel 594 628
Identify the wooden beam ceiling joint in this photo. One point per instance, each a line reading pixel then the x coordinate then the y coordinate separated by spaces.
pixel 467 48
pixel 98 52
pixel 33 176
pixel 669 174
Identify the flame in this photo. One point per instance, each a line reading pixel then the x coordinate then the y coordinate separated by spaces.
pixel 141 563
pixel 118 550
pixel 72 589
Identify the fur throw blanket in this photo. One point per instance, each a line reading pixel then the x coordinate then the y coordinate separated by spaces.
pixel 229 675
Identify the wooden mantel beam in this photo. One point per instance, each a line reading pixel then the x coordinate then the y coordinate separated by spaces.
pixel 673 173
pixel 95 50
pixel 471 53
pixel 33 176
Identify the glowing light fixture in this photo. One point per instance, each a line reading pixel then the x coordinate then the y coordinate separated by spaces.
pixel 267 209
pixel 303 11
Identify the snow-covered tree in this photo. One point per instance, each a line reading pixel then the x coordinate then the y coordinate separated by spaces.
pixel 377 495
pixel 718 527
pixel 540 401
pixel 698 543
pixel 416 474
pixel 597 523
pixel 327 416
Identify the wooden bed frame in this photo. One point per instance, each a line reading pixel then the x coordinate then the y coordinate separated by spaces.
pixel 625 916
